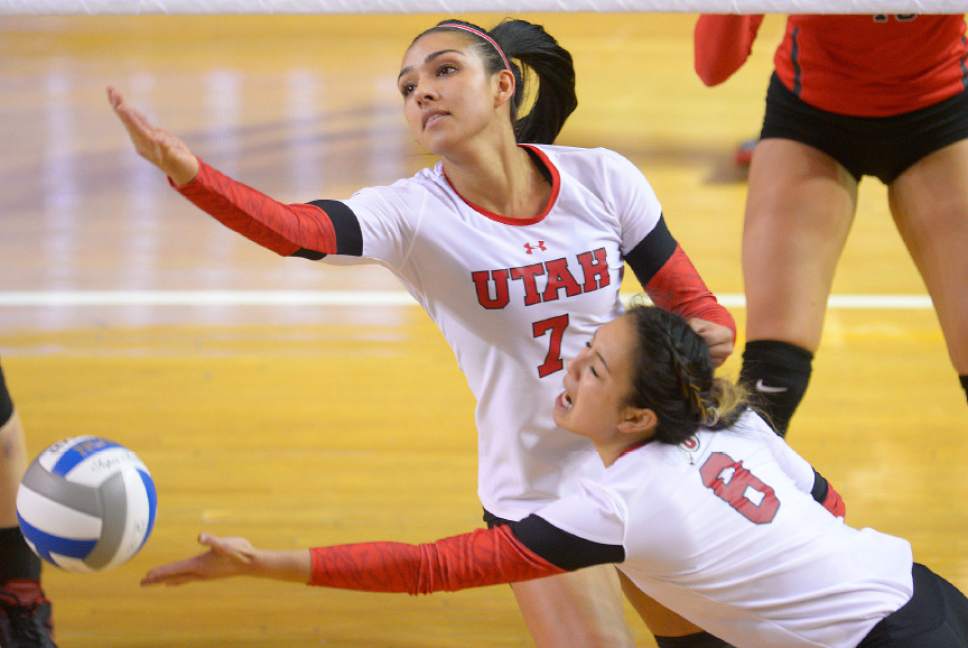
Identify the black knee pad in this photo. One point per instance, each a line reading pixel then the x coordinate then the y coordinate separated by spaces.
pixel 6 403
pixel 16 558
pixel 776 375
pixel 698 640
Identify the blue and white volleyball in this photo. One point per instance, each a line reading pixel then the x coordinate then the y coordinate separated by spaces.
pixel 86 504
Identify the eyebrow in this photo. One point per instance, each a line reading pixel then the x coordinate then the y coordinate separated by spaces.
pixel 600 356
pixel 430 57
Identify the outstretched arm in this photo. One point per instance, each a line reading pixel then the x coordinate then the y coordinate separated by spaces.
pixel 481 557
pixel 525 550
pixel 305 230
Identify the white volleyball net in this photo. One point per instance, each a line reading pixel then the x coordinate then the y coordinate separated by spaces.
pixel 117 7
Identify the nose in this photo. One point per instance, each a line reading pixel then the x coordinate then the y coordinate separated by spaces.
pixel 573 365
pixel 425 93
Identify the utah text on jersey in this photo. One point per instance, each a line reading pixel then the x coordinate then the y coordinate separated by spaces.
pixel 493 290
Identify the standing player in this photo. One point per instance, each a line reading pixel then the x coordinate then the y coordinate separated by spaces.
pixel 515 250
pixel 851 96
pixel 701 504
pixel 25 619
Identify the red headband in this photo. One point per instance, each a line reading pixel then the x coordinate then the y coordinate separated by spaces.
pixel 479 33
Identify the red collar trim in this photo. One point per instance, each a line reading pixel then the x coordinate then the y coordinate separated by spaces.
pixel 555 188
pixel 632 448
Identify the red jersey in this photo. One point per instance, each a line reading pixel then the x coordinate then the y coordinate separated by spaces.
pixel 865 66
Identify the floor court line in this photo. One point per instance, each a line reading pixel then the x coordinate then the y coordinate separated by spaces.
pixel 76 298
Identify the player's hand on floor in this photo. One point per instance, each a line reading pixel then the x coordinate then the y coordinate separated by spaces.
pixel 226 557
pixel 156 145
pixel 719 338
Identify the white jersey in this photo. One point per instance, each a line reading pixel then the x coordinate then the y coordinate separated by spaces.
pixel 514 298
pixel 723 530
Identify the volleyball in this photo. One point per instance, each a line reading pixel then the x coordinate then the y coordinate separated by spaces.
pixel 86 504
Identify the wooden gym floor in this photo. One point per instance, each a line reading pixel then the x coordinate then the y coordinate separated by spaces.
pixel 300 424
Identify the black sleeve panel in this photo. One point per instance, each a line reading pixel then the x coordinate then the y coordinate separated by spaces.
pixel 312 255
pixel 349 238
pixel 648 257
pixel 819 490
pixel 562 549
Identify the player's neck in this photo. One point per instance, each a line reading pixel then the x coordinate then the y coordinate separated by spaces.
pixel 611 450
pixel 501 179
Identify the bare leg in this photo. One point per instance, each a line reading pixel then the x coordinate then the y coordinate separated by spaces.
pixel 799 211
pixel 13 463
pixel 581 609
pixel 929 202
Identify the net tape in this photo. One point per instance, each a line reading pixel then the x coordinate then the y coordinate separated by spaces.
pixel 118 7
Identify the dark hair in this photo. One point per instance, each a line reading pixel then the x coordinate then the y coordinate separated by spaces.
pixel 539 53
pixel 673 376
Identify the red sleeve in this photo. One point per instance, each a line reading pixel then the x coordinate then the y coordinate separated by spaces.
pixel 834 503
pixel 481 557
pixel 284 229
pixel 677 287
pixel 722 44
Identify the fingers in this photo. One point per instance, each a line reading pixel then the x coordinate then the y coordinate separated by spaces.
pixel 159 147
pixel 174 573
pixel 174 579
pixel 718 338
pixel 134 121
pixel 718 355
pixel 114 97
pixel 234 548
pixel 720 351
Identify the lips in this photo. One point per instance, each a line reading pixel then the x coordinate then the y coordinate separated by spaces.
pixel 433 116
pixel 564 401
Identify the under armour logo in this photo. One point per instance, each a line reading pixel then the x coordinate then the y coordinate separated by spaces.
pixel 531 248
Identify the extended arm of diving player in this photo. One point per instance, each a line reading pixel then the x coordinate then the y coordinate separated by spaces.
pixel 525 550
pixel 529 549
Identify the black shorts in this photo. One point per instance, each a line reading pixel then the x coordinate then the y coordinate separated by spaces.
pixel 935 617
pixel 878 146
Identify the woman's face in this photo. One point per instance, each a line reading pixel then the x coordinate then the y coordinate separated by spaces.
pixel 598 382
pixel 448 97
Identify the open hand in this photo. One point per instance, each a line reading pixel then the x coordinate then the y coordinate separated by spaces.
pixel 718 338
pixel 226 557
pixel 156 145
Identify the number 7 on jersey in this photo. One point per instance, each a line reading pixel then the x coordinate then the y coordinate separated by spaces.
pixel 555 328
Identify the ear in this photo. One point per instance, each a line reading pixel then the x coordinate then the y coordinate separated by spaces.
pixel 638 422
pixel 505 88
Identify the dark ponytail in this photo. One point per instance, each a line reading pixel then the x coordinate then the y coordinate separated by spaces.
pixel 539 54
pixel 673 376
